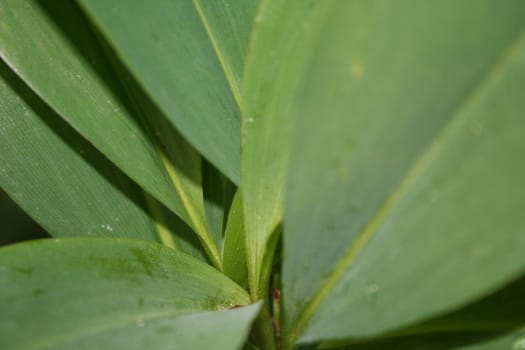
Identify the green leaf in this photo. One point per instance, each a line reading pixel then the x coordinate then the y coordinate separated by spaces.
pixel 499 314
pixel 218 195
pixel 229 24
pixel 181 160
pixel 221 330
pixel 68 186
pixel 281 43
pixel 67 292
pixel 407 167
pixel 502 311
pixel 234 251
pixel 176 234
pixel 72 76
pixel 55 175
pixel 83 88
pixel 176 52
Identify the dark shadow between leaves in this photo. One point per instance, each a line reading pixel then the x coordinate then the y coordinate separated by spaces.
pixel 218 192
pixel 437 341
pixel 17 226
pixel 96 160
pixel 98 54
pixel 494 316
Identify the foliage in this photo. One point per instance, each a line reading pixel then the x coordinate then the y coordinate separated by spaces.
pixel 267 174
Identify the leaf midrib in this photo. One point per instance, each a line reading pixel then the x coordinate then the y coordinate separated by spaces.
pixel 163 232
pixel 225 65
pixel 433 149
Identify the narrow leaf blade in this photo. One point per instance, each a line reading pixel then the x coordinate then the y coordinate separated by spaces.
pixel 55 175
pixel 73 77
pixel 279 49
pixel 171 52
pixel 234 251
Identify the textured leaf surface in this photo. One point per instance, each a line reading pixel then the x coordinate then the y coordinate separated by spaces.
pixel 281 43
pixel 66 292
pixel 407 167
pixel 61 61
pixel 234 250
pixel 180 159
pixel 92 93
pixel 56 176
pixel 176 50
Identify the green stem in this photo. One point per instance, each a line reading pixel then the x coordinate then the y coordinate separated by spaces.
pixel 262 334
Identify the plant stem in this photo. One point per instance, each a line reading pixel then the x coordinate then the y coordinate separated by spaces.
pixel 262 334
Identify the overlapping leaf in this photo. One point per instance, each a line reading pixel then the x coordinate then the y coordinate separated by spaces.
pixel 76 79
pixel 495 322
pixel 100 293
pixel 234 250
pixel 284 33
pixel 17 225
pixel 58 177
pixel 449 341
pixel 180 159
pixel 406 174
pixel 187 56
pixel 218 194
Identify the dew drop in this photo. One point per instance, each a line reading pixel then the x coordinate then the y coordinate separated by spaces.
pixel 107 227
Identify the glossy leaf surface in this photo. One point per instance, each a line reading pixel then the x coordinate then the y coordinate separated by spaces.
pixel 407 167
pixel 70 292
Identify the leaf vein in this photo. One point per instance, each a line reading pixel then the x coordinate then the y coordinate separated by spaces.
pixel 226 68
pixel 414 171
